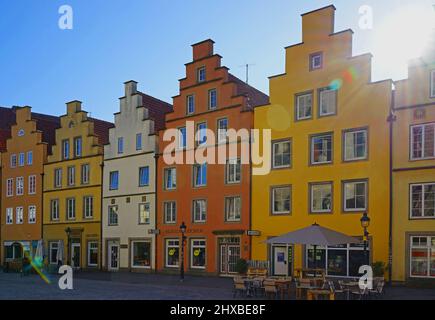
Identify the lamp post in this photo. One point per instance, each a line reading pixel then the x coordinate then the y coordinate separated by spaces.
pixel 68 234
pixel 183 240
pixel 365 223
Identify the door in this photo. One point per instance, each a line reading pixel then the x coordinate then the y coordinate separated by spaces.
pixel 75 255
pixel 229 255
pixel 113 258
pixel 280 261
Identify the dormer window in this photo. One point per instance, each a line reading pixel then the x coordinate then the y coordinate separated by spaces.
pixel 316 61
pixel 201 74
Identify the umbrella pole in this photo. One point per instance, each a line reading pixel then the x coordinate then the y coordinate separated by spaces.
pixel 315 258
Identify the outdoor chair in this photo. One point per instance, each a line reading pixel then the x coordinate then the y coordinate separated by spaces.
pixel 378 290
pixel 336 292
pixel 359 293
pixel 239 288
pixel 270 289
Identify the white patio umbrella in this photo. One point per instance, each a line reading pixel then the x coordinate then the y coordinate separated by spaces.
pixel 59 255
pixel 39 253
pixel 314 235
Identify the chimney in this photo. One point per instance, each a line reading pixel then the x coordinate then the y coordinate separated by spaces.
pixel 130 88
pixel 203 49
pixel 73 107
pixel 318 24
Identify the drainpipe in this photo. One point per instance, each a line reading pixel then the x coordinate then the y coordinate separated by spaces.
pixel 391 119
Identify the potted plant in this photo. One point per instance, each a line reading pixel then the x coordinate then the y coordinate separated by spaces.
pixel 379 269
pixel 242 266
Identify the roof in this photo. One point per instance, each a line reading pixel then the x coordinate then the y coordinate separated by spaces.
pixel 255 96
pixel 157 110
pixel 101 130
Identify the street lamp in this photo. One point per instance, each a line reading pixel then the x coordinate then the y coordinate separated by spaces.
pixel 68 234
pixel 183 240
pixel 365 223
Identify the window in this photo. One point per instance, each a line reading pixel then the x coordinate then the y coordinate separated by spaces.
pixel 57 178
pixel 85 173
pixel 355 145
pixel 32 184
pixel 199 211
pixel 19 215
pixel 422 264
pixel 113 215
pixel 201 133
pixel 200 175
pixel 32 214
pixel 78 147
pixel 13 161
pixel 141 254
pixel 201 74
pixel 281 154
pixel 423 141
pixel 172 253
pixel 9 215
pixel 182 138
pixel 304 106
pixel 54 247
pixel 327 102
pixel 432 84
pixel 88 207
pixel 144 176
pixel 29 158
pixel 233 172
pixel 138 141
pixel 71 208
pixel 65 149
pixel 222 130
pixel 13 252
pixel 54 209
pixel 120 145
pixel 321 197
pixel 20 186
pixel 355 196
pixel 114 180
pixel 92 254
pixel 190 104
pixel 71 176
pixel 316 61
pixel 422 200
pixel 233 209
pixel 144 213
pixel 321 149
pixel 212 99
pixel 170 175
pixel 197 254
pixel 21 159
pixel 339 261
pixel 170 209
pixel 9 187
pixel 281 200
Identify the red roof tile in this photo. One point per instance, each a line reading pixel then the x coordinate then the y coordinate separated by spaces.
pixel 255 96
pixel 157 110
pixel 101 130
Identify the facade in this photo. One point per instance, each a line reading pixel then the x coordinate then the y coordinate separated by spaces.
pixel 330 160
pixel 73 190
pixel 26 151
pixel 414 173
pixel 129 186
pixel 213 200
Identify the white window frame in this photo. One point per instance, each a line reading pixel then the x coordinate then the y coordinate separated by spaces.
pixel 78 147
pixel 111 175
pixel 51 248
pixel 180 140
pixel 71 213
pixel 65 149
pixel 355 133
pixel 429 250
pixel 201 76
pixel 274 166
pixel 312 187
pixel 90 243
pixel 71 175
pixel 190 104
pixel 423 201
pixel 85 173
pixel 21 159
pixel 233 166
pixel 202 205
pixel 32 184
pixel 13 161
pixel 32 214
pixel 321 93
pixel 198 172
pixel 200 244
pixel 365 182
pixel 120 145
pixel 313 57
pixel 170 243
pixel 19 186
pixel 166 174
pixel 222 133
pixel 278 213
pixel 10 187
pixel 147 211
pixel 29 158
pixel 312 162
pixel 88 207
pixel 172 206
pixel 54 210
pixel 210 100
pixel 232 215
pixel 58 178
pixel 139 144
pixel 110 221
pixel 423 144
pixel 201 134
pixel 9 216
pixel 19 214
pixel 303 97
pixel 132 254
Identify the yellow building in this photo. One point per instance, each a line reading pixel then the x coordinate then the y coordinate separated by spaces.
pixel 414 173
pixel 330 158
pixel 73 190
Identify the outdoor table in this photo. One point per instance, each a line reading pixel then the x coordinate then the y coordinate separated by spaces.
pixel 300 288
pixel 283 285
pixel 251 284
pixel 315 294
pixel 347 287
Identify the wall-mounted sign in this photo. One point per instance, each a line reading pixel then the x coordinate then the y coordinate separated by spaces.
pixel 153 231
pixel 254 233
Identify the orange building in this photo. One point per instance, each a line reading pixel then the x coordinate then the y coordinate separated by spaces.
pixel 26 151
pixel 213 200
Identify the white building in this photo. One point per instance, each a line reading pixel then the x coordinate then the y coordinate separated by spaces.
pixel 129 182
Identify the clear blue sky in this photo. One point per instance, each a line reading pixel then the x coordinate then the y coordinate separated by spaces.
pixel 149 41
